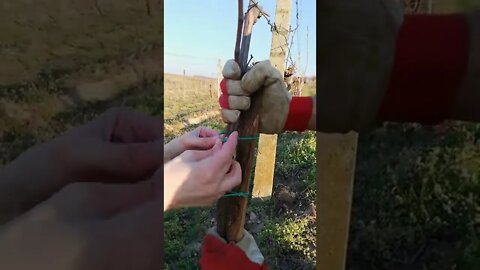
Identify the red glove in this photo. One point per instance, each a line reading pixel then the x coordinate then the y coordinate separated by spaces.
pixel 216 254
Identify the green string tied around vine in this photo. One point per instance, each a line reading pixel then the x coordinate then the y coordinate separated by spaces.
pixel 237 194
pixel 240 138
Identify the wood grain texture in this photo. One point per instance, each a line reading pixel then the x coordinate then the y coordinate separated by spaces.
pixel 267 144
pixel 336 157
pixel 231 210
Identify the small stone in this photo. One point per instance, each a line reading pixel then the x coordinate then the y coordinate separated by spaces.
pixel 311 211
pixel 253 217
pixel 256 228
pixel 285 195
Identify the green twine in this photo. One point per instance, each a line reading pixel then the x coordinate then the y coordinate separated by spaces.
pixel 244 138
pixel 237 194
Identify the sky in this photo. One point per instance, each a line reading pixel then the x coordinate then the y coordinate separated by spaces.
pixel 198 33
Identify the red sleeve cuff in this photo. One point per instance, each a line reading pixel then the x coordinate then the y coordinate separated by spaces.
pixel 299 114
pixel 430 64
pixel 216 255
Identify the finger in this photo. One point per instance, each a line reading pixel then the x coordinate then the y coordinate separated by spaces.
pixel 230 116
pixel 94 159
pixel 239 102
pixel 123 125
pixel 232 87
pixel 131 126
pixel 196 155
pixel 222 159
pixel 261 74
pixel 199 143
pixel 136 236
pixel 233 178
pixel 223 101
pixel 231 70
pixel 99 200
pixel 207 132
pixel 234 102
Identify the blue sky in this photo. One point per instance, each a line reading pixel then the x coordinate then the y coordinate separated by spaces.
pixel 198 33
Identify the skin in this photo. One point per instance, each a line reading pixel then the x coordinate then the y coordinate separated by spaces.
pixel 202 171
pixel 92 198
pixel 201 138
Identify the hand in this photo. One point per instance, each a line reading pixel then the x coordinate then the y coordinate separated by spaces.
pixel 201 138
pixel 236 92
pixel 200 177
pixel 280 112
pixel 119 146
pixel 244 255
pixel 88 226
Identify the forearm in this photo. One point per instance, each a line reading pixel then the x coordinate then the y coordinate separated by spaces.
pixel 171 150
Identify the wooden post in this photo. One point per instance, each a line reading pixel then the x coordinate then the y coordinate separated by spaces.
pixel 430 7
pixel 336 156
pixel 219 76
pixel 448 6
pixel 267 144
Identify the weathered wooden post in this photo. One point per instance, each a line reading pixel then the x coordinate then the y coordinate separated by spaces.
pixel 267 144
pixel 336 157
pixel 219 76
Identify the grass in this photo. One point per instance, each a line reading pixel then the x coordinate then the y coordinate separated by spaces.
pixel 416 202
pixel 417 193
pixel 284 227
pixel 53 47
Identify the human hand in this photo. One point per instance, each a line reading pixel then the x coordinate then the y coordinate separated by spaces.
pixel 279 112
pixel 88 226
pixel 216 253
pixel 118 146
pixel 200 177
pixel 201 138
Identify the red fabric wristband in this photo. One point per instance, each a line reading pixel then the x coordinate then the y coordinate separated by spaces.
pixel 217 255
pixel 299 114
pixel 430 63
